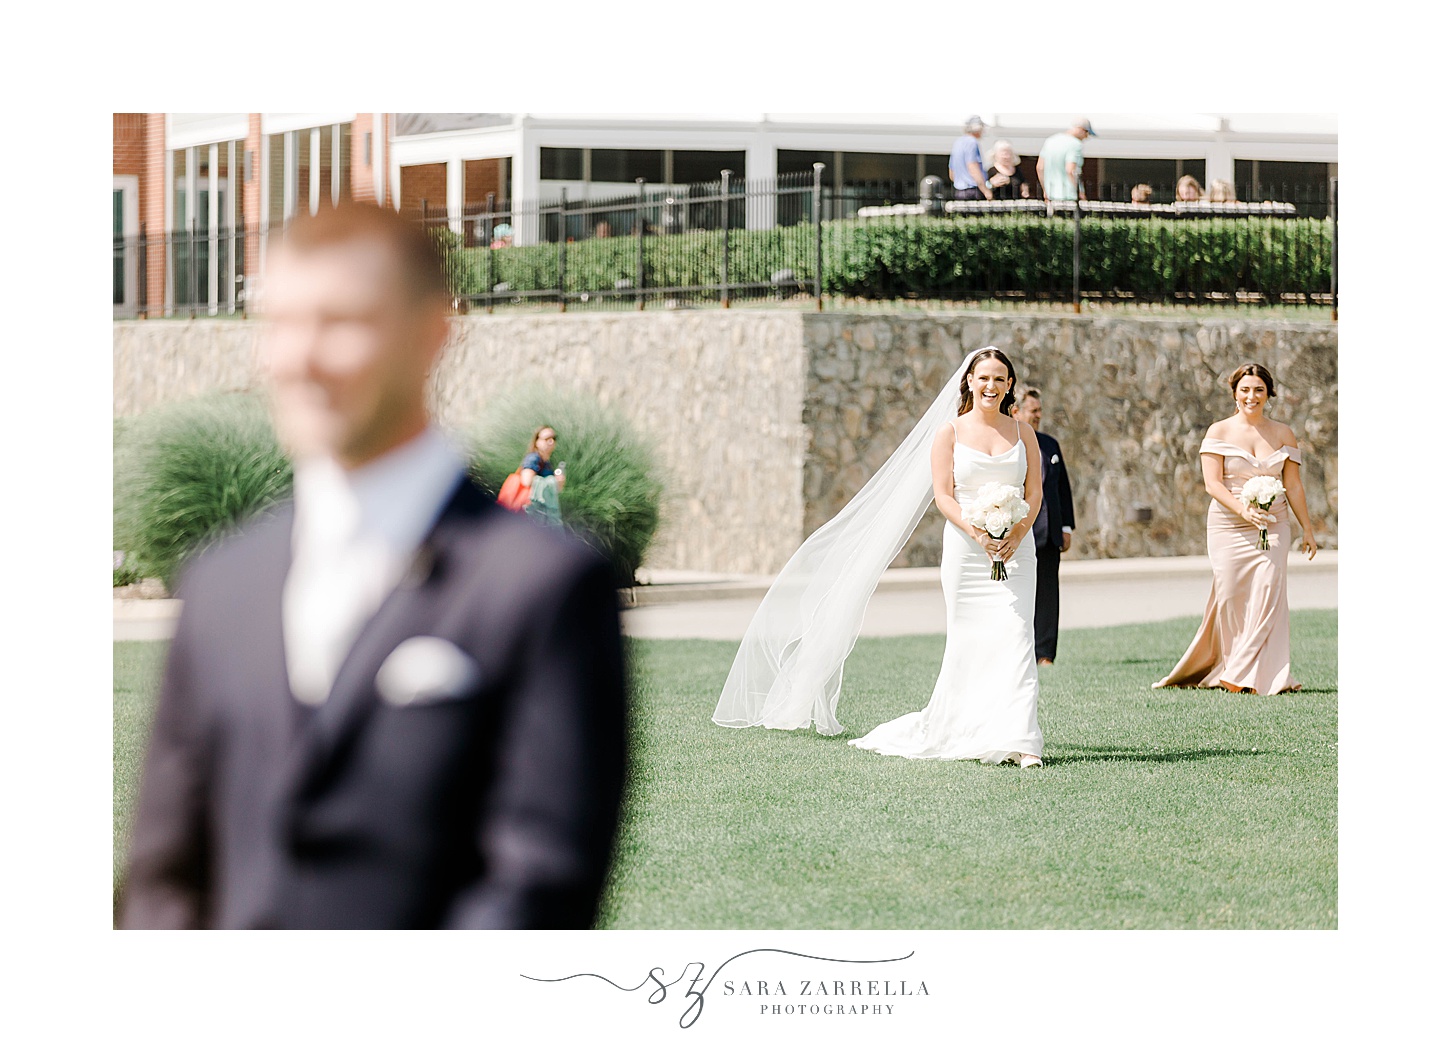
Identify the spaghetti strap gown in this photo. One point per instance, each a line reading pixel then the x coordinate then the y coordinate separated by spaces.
pixel 1244 639
pixel 985 703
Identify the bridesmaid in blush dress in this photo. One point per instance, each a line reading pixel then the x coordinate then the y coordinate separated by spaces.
pixel 1243 644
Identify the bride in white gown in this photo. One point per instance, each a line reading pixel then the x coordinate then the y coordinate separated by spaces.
pixel 787 673
pixel 985 703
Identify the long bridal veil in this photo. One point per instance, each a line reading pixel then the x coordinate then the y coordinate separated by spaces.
pixel 787 672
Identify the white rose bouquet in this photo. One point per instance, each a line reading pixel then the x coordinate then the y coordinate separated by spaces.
pixel 1262 491
pixel 995 509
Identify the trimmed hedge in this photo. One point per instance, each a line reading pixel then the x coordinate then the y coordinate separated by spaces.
pixel 688 261
pixel 612 491
pixel 1147 258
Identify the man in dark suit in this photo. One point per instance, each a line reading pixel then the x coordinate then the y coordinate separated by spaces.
pixel 390 704
pixel 1052 528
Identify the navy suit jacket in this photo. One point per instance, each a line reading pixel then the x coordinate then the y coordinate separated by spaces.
pixel 1057 494
pixel 494 807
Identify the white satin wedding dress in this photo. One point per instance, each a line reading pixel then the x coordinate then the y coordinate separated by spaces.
pixel 985 703
pixel 787 672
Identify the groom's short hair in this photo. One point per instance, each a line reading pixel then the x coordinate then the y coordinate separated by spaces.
pixel 1031 392
pixel 420 261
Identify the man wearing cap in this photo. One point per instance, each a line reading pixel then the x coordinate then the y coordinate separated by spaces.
pixel 964 165
pixel 1060 164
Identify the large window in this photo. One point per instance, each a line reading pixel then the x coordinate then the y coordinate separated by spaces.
pixel 856 179
pixel 1117 177
pixel 125 273
pixel 688 168
pixel 275 148
pixel 793 161
pixel 205 242
pixel 561 164
pixel 878 166
pixel 118 231
pixel 606 173
pixel 307 169
pixel 621 166
pixel 1307 185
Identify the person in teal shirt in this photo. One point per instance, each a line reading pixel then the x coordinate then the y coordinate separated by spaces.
pixel 1060 164
pixel 543 479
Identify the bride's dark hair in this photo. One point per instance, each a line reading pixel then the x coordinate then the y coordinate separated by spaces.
pixel 964 403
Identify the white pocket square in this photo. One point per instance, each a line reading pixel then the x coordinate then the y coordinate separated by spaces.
pixel 426 670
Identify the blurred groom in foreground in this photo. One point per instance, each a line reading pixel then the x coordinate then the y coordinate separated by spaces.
pixel 390 703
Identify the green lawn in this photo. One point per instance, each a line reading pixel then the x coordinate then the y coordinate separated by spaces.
pixel 1167 809
pixel 137 668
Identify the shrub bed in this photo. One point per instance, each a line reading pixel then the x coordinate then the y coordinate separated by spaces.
pixel 612 488
pixel 186 475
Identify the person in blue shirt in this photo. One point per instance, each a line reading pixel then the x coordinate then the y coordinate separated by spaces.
pixel 964 165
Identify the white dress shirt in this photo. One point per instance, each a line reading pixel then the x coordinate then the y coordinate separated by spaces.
pixel 353 537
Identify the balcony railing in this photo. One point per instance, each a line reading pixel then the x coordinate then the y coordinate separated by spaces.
pixel 796 240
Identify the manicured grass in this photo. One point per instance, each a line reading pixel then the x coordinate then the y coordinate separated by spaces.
pixel 137 669
pixel 1156 809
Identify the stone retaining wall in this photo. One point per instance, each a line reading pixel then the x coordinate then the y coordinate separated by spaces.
pixel 154 363
pixel 1129 400
pixel 766 422
pixel 718 393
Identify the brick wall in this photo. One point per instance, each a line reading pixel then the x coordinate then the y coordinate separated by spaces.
pixel 427 181
pixel 482 176
pixel 153 210
pixel 366 177
pixel 128 143
pixel 252 195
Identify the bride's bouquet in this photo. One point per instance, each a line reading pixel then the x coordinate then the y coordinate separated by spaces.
pixel 1262 491
pixel 995 509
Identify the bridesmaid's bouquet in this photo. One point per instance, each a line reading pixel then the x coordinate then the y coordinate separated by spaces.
pixel 1262 491
pixel 995 510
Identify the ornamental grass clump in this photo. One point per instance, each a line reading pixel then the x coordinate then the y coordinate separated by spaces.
pixel 613 488
pixel 187 474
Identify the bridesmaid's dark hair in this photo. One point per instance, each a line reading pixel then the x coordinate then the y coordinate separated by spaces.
pixel 964 403
pixel 1253 369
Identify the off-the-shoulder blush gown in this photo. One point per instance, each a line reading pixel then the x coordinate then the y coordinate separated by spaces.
pixel 1244 640
pixel 985 703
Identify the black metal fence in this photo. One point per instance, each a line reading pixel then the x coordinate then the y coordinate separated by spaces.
pixel 1307 200
pixel 796 239
pixel 724 241
pixel 188 273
